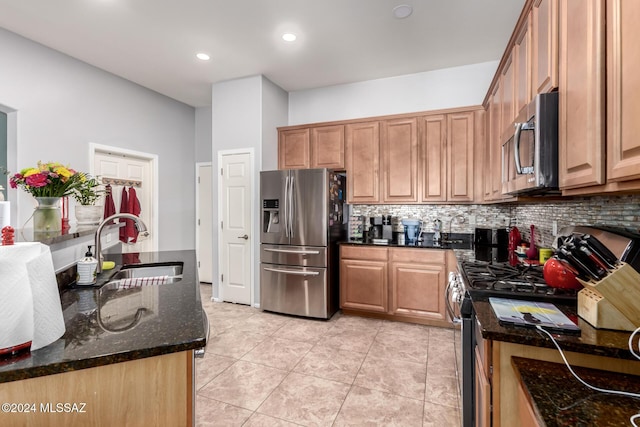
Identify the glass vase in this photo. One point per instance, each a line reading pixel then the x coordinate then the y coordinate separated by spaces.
pixel 47 219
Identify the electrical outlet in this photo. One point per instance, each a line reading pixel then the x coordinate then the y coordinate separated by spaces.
pixel 108 237
pixel 472 220
pixel 554 228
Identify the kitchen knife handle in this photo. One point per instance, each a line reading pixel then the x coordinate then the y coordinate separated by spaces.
pixel 601 249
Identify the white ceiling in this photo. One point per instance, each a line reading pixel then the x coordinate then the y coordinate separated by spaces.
pixel 154 42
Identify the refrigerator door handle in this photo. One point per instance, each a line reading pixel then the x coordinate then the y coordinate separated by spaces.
pixel 291 208
pixel 292 251
pixel 286 206
pixel 295 272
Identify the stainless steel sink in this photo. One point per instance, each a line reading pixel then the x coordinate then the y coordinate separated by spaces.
pixel 144 271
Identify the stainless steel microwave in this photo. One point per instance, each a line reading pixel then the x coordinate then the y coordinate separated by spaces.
pixel 530 153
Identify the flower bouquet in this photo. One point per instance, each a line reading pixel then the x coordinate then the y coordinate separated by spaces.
pixel 47 183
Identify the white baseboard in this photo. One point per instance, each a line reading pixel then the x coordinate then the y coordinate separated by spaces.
pixel 256 305
pixel 216 300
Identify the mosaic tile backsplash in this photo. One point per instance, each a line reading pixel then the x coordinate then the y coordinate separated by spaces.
pixel 614 211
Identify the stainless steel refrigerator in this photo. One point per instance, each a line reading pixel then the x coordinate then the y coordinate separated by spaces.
pixel 301 224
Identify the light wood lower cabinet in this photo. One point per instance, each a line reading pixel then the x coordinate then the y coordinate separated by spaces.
pixel 417 278
pixel 363 279
pixel 394 283
pixel 155 391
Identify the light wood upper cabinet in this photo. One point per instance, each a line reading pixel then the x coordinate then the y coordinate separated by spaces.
pixel 581 93
pixel 494 174
pixel 522 58
pixel 327 147
pixel 433 157
pixel 399 149
pixel 293 149
pixel 508 94
pixel 460 131
pixel 544 39
pixel 623 90
pixel 363 162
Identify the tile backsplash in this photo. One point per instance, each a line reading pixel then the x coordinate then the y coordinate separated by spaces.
pixel 614 211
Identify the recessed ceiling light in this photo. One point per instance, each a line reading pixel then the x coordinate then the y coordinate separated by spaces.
pixel 288 37
pixel 402 11
pixel 203 56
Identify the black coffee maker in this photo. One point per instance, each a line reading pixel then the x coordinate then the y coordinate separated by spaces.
pixel 375 229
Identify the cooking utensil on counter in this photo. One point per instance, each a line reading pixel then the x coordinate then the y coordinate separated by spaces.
pixel 558 275
pixel 532 253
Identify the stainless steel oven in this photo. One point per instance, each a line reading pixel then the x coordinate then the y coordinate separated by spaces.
pixel 478 280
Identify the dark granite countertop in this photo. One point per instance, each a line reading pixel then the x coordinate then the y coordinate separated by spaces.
pixel 171 320
pixel 461 241
pixel 600 342
pixel 558 399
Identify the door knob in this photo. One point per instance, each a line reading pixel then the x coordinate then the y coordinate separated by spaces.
pixel 245 237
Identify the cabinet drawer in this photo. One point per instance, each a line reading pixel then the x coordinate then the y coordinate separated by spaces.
pixel 363 252
pixel 423 256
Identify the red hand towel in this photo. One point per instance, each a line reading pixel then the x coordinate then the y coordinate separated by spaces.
pixel 124 208
pixel 109 205
pixel 134 208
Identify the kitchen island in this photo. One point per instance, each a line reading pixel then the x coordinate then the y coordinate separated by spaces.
pixel 500 346
pixel 126 357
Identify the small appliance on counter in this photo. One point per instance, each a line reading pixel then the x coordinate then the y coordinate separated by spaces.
pixel 491 244
pixel 356 228
pixel 375 228
pixel 412 230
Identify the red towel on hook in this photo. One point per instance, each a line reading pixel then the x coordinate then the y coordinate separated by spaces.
pixel 124 208
pixel 134 208
pixel 109 205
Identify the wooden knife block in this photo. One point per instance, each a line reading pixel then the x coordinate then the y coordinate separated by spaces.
pixel 613 302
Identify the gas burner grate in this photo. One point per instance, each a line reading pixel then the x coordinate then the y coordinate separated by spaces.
pixel 505 279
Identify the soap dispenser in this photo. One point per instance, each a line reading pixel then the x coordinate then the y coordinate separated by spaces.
pixel 87 269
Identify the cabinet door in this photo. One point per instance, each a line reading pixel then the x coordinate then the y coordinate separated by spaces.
pixel 363 162
pixel 327 147
pixel 522 58
pixel 623 90
pixel 417 282
pixel 544 32
pixel 495 143
pixel 581 93
pixel 482 394
pixel 460 131
pixel 363 285
pixel 399 148
pixel 293 149
pixel 508 93
pixel 417 290
pixel 433 157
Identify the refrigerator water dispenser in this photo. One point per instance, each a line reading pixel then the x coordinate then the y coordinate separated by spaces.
pixel 271 216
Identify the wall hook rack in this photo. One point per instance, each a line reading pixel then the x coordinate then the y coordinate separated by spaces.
pixel 124 182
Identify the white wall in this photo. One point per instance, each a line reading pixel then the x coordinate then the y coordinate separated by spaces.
pixel 431 90
pixel 63 104
pixel 245 114
pixel 203 134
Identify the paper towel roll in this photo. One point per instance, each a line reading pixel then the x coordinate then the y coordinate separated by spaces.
pixel 5 214
pixel 30 308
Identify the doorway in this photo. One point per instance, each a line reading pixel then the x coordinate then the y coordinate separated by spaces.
pixel 236 213
pixel 127 169
pixel 204 222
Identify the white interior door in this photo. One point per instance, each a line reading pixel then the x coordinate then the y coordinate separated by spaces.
pixel 204 230
pixel 236 240
pixel 129 168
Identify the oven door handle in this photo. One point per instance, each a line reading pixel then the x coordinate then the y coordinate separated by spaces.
pixel 447 301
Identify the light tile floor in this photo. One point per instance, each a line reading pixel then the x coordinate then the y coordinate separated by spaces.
pixel 264 369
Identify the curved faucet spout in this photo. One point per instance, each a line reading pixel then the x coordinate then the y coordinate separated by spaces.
pixel 142 228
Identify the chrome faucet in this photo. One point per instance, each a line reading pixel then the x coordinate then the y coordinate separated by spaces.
pixel 142 228
pixel 460 217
